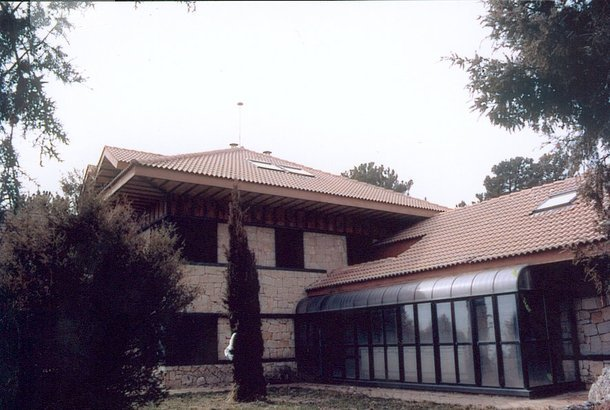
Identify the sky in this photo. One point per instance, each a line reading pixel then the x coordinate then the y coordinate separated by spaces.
pixel 329 85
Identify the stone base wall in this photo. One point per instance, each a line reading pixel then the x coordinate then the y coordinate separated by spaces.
pixel 593 329
pixel 221 375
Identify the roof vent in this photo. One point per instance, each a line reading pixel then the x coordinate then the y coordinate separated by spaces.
pixel 267 152
pixel 233 145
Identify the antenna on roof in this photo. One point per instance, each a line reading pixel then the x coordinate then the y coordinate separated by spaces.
pixel 239 108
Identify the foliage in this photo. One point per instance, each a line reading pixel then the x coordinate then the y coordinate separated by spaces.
pixel 521 173
pixel 85 298
pixel 242 301
pixel 379 176
pixel 549 70
pixel 31 53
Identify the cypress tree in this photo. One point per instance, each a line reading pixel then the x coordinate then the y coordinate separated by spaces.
pixel 244 310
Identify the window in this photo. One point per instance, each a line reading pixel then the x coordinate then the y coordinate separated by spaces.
pixel 556 201
pixel 191 339
pixel 198 237
pixel 266 165
pixel 289 249
pixel 282 168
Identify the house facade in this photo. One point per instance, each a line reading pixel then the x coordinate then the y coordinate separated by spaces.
pixel 363 285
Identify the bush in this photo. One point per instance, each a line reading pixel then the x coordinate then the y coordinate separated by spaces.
pixel 85 296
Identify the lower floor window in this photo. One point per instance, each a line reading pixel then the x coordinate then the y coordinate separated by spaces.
pixel 191 339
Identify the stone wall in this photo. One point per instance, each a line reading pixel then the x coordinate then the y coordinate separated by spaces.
pixel 281 290
pixel 221 375
pixel 323 251
pixel 593 328
pixel 260 240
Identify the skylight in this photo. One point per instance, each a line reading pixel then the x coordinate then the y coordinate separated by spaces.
pixel 556 201
pixel 281 168
pixel 266 165
pixel 294 170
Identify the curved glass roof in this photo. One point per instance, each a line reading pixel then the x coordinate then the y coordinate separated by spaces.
pixel 480 283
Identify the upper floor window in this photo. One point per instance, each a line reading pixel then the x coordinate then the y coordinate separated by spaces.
pixel 289 251
pixel 199 238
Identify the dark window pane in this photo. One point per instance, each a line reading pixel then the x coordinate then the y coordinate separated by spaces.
pixel 410 363
pixel 424 316
pixel 507 318
pixel 538 364
pixel 393 363
pixel 408 324
pixel 489 365
pixel 379 362
pixel 444 322
pixel 350 368
pixel 191 339
pixel 533 323
pixel 466 364
pixel 485 319
pixel 348 330
pixel 462 321
pixel 362 327
pixel 389 324
pixel 447 364
pixel 198 238
pixel 569 371
pixel 513 375
pixel 377 326
pixel 363 358
pixel 289 252
pixel 428 373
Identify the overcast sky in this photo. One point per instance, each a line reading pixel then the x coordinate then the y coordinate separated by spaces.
pixel 326 84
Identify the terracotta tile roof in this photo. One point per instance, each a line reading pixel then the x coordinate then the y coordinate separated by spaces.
pixel 234 163
pixel 503 227
pixel 126 155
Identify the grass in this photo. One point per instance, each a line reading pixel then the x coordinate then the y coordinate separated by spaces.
pixel 287 397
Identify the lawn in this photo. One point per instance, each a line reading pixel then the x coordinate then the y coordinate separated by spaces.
pixel 287 397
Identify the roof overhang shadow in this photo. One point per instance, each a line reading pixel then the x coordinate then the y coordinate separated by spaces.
pixel 486 282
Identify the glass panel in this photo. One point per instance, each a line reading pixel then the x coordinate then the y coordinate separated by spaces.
pixel 363 357
pixel 379 362
pixel 538 364
pixel 485 319
pixel 567 348
pixel 462 321
pixel 393 364
pixel 350 363
pixel 424 316
pixel 410 363
pixel 447 364
pixel 389 324
pixel 377 326
pixel 428 374
pixel 513 375
pixel 489 365
pixel 507 318
pixel 532 317
pixel 362 327
pixel 466 364
pixel 348 330
pixel 408 324
pixel 569 370
pixel 444 322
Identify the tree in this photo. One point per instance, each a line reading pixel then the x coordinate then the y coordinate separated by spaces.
pixel 549 71
pixel 85 298
pixel 379 176
pixel 31 53
pixel 520 173
pixel 244 310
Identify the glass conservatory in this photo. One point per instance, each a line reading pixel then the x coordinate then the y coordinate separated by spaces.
pixel 507 331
